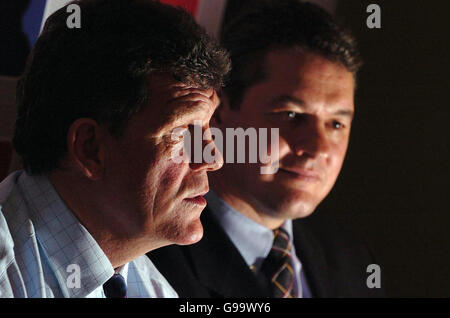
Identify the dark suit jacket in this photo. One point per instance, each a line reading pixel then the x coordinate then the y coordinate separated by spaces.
pixel 334 262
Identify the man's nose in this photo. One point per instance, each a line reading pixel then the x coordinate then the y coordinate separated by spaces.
pixel 212 158
pixel 311 140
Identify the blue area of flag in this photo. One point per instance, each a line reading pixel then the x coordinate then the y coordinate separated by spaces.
pixel 31 21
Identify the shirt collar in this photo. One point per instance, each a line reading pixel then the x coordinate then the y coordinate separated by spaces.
pixel 253 240
pixel 64 240
pixel 122 270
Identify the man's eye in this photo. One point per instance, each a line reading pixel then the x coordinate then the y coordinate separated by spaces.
pixel 178 135
pixel 291 115
pixel 337 125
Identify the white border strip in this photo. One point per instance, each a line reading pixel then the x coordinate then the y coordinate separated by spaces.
pixel 50 7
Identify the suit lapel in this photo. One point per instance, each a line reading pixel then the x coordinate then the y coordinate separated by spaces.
pixel 312 257
pixel 221 269
pixel 219 265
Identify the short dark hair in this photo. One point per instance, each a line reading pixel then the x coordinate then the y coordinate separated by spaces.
pixel 101 71
pixel 279 24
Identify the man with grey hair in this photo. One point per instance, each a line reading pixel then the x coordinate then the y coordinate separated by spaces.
pixel 97 106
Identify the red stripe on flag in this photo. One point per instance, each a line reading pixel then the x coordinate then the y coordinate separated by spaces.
pixel 190 6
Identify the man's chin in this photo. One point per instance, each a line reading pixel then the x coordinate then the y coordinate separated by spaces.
pixel 294 207
pixel 192 235
pixel 301 214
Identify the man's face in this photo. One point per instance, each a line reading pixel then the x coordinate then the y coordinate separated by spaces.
pixel 154 197
pixel 310 100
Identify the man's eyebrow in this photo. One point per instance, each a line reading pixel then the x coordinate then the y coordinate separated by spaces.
pixel 183 113
pixel 186 113
pixel 345 113
pixel 284 99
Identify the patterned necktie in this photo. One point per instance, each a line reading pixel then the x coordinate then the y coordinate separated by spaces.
pixel 278 266
pixel 115 287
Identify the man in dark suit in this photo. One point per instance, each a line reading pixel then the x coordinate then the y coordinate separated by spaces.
pixel 293 69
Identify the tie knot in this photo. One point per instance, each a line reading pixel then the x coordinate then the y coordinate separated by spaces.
pixel 280 252
pixel 281 241
pixel 115 287
pixel 278 265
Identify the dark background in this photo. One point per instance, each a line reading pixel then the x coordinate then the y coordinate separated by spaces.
pixel 14 46
pixel 394 186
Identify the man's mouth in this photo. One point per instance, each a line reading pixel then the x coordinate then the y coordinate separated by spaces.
pixel 198 198
pixel 301 174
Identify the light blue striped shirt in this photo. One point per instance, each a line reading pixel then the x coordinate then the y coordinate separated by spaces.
pixel 45 252
pixel 253 240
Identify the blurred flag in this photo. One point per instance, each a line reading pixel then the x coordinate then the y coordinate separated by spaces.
pixel 208 13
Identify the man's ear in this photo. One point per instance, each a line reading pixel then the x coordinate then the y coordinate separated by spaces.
pixel 85 146
pixel 221 114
